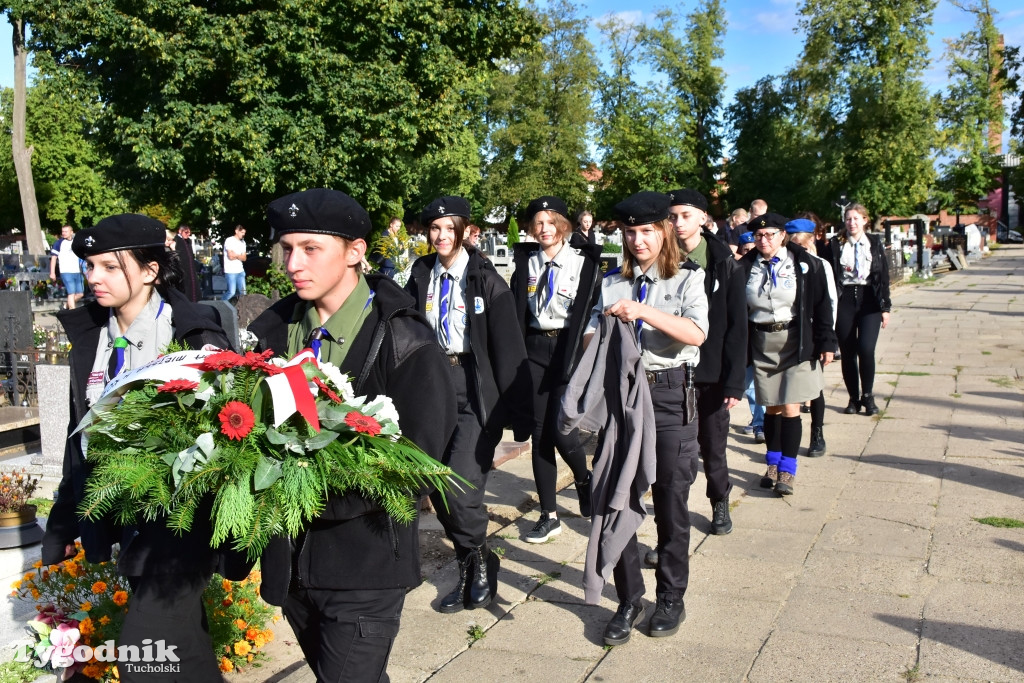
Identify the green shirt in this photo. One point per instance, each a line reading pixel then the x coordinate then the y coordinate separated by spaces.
pixel 342 327
pixel 700 254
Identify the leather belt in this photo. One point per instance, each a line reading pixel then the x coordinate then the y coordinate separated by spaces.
pixel 662 376
pixel 774 327
pixel 545 333
pixel 458 359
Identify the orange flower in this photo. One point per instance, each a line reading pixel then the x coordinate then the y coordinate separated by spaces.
pixel 68 588
pixel 35 593
pixel 251 634
pixel 248 658
pixel 104 620
pixel 37 564
pixel 86 606
pixel 86 627
pixel 259 641
pixel 120 598
pixel 94 671
pixel 240 624
pixel 227 601
pixel 99 587
pixel 268 635
pixel 236 420
pixel 226 585
pixel 225 664
pixel 242 648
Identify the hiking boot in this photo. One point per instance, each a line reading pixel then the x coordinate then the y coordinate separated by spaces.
pixel 721 522
pixel 853 407
pixel 770 477
pixel 868 401
pixel 545 528
pixel 784 486
pixel 817 447
pixel 482 583
pixel 456 600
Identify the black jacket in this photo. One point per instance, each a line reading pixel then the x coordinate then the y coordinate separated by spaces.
pixel 570 343
pixel 814 308
pixel 503 392
pixel 354 544
pixel 150 547
pixel 577 239
pixel 723 354
pixel 878 278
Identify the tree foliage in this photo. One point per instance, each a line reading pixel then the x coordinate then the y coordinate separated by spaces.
pixel 219 107
pixel 539 114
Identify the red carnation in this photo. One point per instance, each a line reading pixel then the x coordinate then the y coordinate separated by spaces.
pixel 362 423
pixel 236 420
pixel 222 360
pixel 176 385
pixel 326 389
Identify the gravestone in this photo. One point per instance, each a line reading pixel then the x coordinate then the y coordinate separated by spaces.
pixel 228 319
pixel 250 306
pixel 15 321
pixel 54 413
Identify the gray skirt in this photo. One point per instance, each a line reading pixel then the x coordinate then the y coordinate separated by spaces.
pixel 779 378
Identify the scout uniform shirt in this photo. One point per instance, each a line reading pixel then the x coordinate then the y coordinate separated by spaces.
pixel 454 337
pixel 855 260
pixel 680 295
pixel 771 289
pixel 551 291
pixel 337 333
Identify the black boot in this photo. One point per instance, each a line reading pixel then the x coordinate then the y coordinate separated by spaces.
pixel 620 628
pixel 583 493
pixel 483 576
pixel 853 407
pixel 456 600
pixel 868 401
pixel 817 447
pixel 667 616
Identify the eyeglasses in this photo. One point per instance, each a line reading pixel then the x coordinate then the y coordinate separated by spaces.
pixel 766 235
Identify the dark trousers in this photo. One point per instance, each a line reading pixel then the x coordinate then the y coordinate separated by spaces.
pixel 858 322
pixel 677 455
pixel 346 635
pixel 712 432
pixel 544 354
pixel 169 608
pixel 470 453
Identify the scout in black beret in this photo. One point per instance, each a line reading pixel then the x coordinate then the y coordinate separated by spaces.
pixel 318 211
pixel 686 197
pixel 643 208
pixel 444 206
pixel 117 233
pixel 547 203
pixel 767 220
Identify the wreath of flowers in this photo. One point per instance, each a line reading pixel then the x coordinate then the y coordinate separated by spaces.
pixel 216 430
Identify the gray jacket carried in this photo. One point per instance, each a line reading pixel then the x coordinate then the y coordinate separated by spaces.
pixel 608 392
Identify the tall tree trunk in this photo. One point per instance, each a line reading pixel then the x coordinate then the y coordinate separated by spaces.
pixel 23 155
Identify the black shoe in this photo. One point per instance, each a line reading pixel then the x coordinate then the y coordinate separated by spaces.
pixel 721 522
pixel 667 616
pixel 651 558
pixel 817 447
pixel 620 628
pixel 583 493
pixel 545 528
pixel 456 600
pixel 853 407
pixel 483 565
pixel 804 408
pixel 868 401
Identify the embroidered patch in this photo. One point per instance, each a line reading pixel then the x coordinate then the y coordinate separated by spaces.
pixel 804 268
pixel 478 304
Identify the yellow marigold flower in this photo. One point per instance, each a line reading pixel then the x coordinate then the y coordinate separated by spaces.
pixel 268 635
pixel 54 568
pixel 86 606
pixel 242 648
pixel 94 671
pixel 99 587
pixel 16 585
pixel 86 627
pixel 251 634
pixel 68 588
pixel 248 658
pixel 117 674
pixel 225 664
pixel 226 585
pixel 28 576
pixel 120 598
pixel 240 624
pixel 37 564
pixel 104 620
pixel 35 593
pixel 276 618
pixel 259 641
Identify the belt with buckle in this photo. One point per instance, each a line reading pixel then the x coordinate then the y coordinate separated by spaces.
pixel 545 333
pixel 661 376
pixel 458 359
pixel 774 327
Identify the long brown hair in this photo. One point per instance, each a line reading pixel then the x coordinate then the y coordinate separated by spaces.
pixel 458 225
pixel 668 257
pixel 863 211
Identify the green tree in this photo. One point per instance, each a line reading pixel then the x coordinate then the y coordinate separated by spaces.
pixel 969 107
pixel 539 113
pixel 694 80
pixel 640 130
pixel 217 108
pixel 859 82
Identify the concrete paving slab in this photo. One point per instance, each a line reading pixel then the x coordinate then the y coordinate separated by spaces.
pixel 875 536
pixel 801 514
pixel 478 664
pixel 655 660
pixel 739 578
pixel 795 656
pixel 920 515
pixel 851 614
pixel 926 492
pixel 776 547
pixel 867 572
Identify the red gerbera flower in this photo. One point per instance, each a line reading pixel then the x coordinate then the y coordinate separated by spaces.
pixel 176 385
pixel 258 361
pixel 362 423
pixel 236 420
pixel 222 360
pixel 326 389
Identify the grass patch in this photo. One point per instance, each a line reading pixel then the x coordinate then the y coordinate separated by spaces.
pixel 916 279
pixel 912 673
pixel 892 384
pixel 916 374
pixel 903 595
pixel 547 578
pixel 986 353
pixel 507 537
pixel 1001 522
pixel 955 395
pixel 43 506
pixel 475 633
pixel 498 550
pixel 973 284
pixel 1004 382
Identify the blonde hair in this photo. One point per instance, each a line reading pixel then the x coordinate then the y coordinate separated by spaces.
pixel 668 257
pixel 805 240
pixel 562 224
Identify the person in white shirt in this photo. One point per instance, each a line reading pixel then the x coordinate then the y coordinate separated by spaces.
pixel 234 264
pixel 70 266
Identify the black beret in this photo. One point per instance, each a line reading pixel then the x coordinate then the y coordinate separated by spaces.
pixel 444 206
pixel 688 198
pixel 547 203
pixel 768 220
pixel 318 211
pixel 116 233
pixel 643 208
